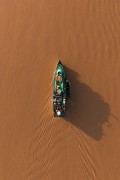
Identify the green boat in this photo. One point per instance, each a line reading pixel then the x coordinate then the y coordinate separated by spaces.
pixel 61 91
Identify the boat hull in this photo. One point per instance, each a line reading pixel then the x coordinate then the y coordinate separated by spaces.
pixel 59 91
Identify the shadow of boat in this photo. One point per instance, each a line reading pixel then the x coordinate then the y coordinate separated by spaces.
pixel 86 109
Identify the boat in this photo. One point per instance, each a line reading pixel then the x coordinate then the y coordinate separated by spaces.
pixel 61 90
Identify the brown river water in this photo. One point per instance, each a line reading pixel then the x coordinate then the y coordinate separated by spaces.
pixel 34 35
